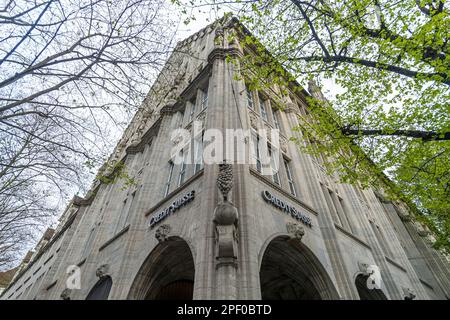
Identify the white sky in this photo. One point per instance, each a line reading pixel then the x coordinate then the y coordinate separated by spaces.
pixel 206 15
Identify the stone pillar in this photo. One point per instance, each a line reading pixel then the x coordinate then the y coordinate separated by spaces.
pixel 226 222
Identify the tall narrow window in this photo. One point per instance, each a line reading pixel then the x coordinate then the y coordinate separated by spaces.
pixel 182 174
pixel 276 122
pixel 290 177
pixel 262 106
pixel 274 167
pixel 328 198
pixel 381 240
pixel 180 122
pixel 204 103
pixel 89 242
pixel 198 147
pixel 169 179
pixel 250 102
pixel 339 206
pixel 124 213
pixel 256 153
pixel 192 114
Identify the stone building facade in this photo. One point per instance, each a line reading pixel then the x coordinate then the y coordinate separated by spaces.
pixel 226 231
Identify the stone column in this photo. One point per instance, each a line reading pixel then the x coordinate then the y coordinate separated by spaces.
pixel 226 223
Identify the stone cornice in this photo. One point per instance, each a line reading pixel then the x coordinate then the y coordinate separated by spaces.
pixel 185 94
pixel 79 201
pixel 222 53
pixel 146 138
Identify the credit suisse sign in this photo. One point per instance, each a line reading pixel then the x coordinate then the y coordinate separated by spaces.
pixel 177 204
pixel 287 208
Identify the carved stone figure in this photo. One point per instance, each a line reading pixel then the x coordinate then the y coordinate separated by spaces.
pixel 295 230
pixel 408 294
pixel 421 229
pixel 65 295
pixel 225 219
pixel 225 179
pixel 102 271
pixel 218 39
pixel 283 144
pixel 363 267
pixel 162 232
pixel 290 107
pixel 253 121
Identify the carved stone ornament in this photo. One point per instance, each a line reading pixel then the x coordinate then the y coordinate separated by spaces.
pixel 408 294
pixel 363 268
pixel 421 229
pixel 225 219
pixel 65 294
pixel 179 78
pixel 162 232
pixel 225 214
pixel 291 107
pixel 102 271
pixel 225 179
pixel 296 230
pixel 218 38
pixel 253 121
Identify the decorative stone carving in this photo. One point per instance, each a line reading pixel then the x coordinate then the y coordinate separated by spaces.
pixel 404 216
pixel 363 268
pixel 225 179
pixel 65 295
pixel 179 78
pixel 102 271
pixel 162 232
pixel 233 39
pixel 253 121
pixel 218 39
pixel 408 294
pixel 296 230
pixel 291 108
pixel 421 229
pixel 168 107
pixel 225 219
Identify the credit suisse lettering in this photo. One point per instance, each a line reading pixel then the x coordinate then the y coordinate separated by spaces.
pixel 280 204
pixel 177 204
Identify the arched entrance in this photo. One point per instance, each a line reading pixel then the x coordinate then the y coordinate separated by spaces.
pixel 364 292
pixel 290 271
pixel 167 273
pixel 101 289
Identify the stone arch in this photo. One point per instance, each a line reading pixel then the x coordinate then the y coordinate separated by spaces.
pixel 290 271
pixel 167 273
pixel 364 292
pixel 101 289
